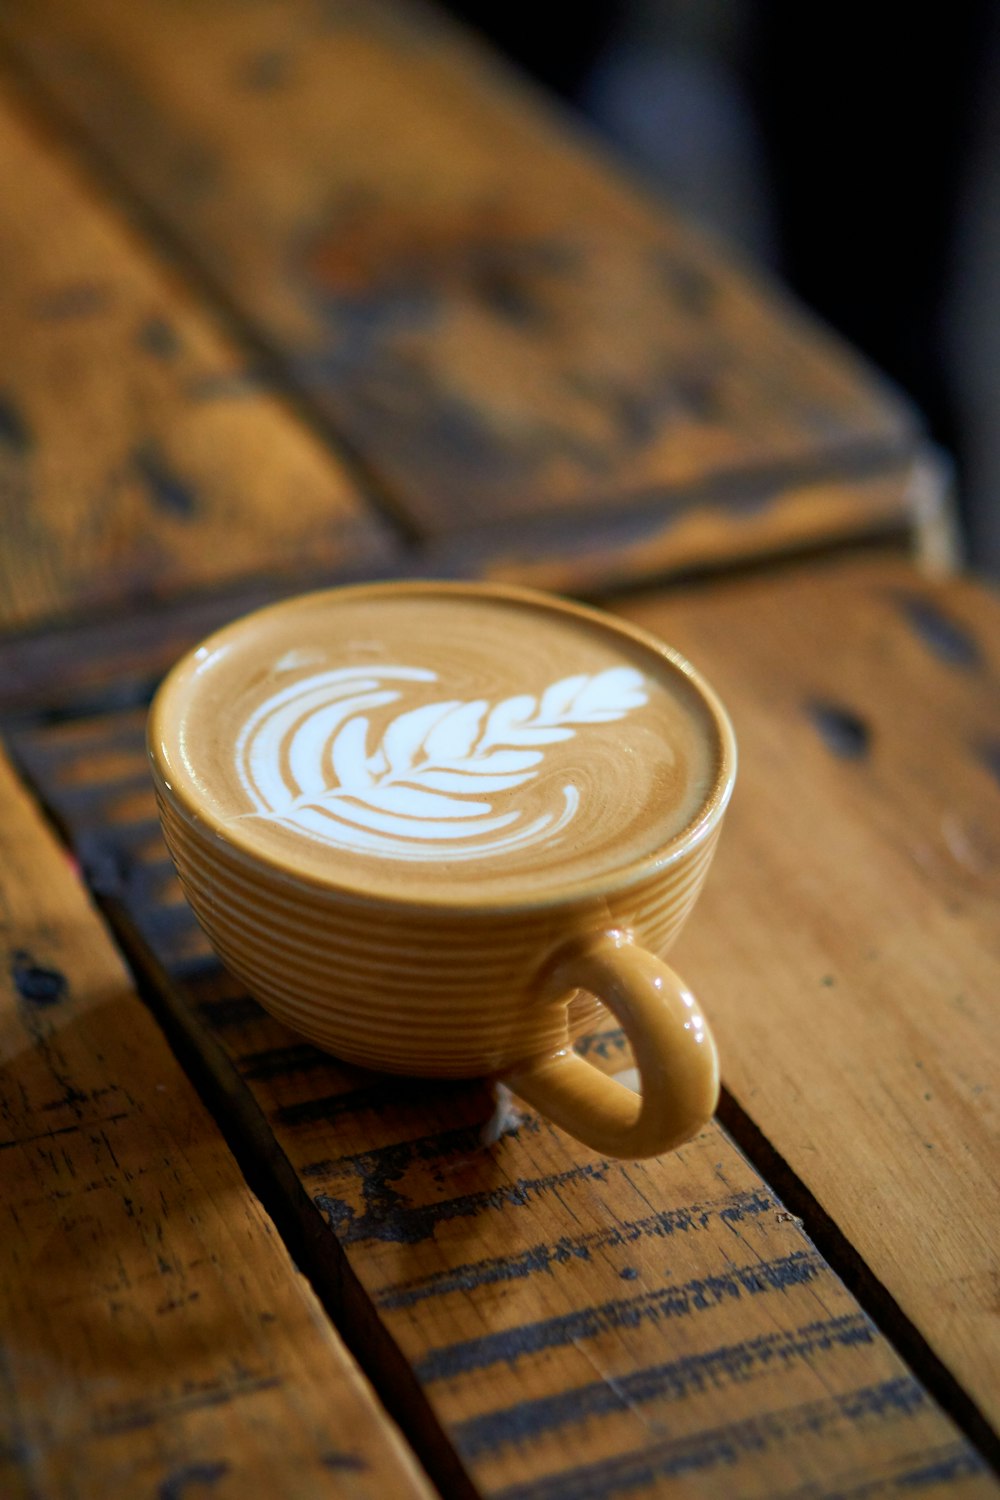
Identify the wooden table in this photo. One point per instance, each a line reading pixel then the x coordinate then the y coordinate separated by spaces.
pixel 310 290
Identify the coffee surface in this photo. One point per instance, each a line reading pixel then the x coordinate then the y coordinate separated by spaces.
pixel 440 744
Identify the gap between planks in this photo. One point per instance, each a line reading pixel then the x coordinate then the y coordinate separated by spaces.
pixel 871 1293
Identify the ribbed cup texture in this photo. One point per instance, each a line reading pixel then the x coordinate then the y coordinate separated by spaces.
pixel 422 990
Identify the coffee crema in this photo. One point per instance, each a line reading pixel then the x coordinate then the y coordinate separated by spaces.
pixel 424 741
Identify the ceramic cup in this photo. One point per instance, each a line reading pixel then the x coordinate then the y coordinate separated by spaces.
pixel 434 826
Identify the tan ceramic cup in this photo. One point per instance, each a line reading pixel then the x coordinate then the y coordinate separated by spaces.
pixel 459 984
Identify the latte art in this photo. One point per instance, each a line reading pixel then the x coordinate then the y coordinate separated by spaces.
pixel 420 788
pixel 431 826
pixel 439 742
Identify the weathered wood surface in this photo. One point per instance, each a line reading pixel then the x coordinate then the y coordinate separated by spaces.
pixel 847 945
pixel 627 543
pixel 525 354
pixel 581 1328
pixel 155 1337
pixel 138 457
pixel 90 661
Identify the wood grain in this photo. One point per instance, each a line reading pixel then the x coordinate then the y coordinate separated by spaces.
pixel 92 662
pixel 139 457
pixel 847 945
pixel 155 1337
pixel 508 335
pixel 580 1327
pixel 659 541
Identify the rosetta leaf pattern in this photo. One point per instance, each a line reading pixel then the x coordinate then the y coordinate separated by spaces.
pixel 439 760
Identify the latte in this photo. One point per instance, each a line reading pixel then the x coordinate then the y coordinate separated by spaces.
pixel 432 742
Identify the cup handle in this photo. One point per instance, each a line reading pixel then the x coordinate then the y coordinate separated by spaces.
pixel 674 1052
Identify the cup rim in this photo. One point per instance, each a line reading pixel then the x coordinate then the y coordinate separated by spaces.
pixel 184 799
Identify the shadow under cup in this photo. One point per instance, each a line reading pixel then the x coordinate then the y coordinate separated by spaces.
pixel 460 980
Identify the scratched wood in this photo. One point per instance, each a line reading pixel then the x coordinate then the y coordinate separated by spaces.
pixel 580 1327
pixel 138 458
pixel 628 543
pixel 89 661
pixel 155 1337
pixel 847 944
pixel 526 354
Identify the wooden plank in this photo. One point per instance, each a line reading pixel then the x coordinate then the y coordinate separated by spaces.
pixel 847 946
pixel 509 336
pixel 580 1327
pixel 654 542
pixel 98 662
pixel 114 661
pixel 139 458
pixel 155 1337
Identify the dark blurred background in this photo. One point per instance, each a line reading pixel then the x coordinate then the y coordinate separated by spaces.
pixel 854 150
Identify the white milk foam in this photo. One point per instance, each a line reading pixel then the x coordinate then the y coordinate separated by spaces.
pixel 420 788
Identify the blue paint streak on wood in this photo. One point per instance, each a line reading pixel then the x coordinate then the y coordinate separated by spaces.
pixel 122 732
pixel 344 1463
pixel 605 1043
pixel 894 1400
pixel 674 1380
pixel 167 490
pixel 944 637
pixel 118 696
pixel 15 434
pixel 467 1278
pixel 36 983
pixel 195 968
pixel 389 1218
pixel 545 1258
pixel 164 925
pixel 958 1462
pixel 81 802
pixel 105 862
pixel 385 1163
pixel 177 1485
pixel 136 1416
pixel 677 1300
pixel 842 731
